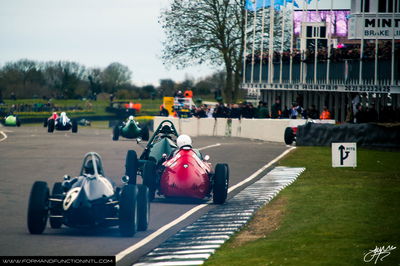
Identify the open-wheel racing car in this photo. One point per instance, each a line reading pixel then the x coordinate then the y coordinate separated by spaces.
pixel 170 166
pixel 12 121
pixel 131 130
pixel 89 200
pixel 62 123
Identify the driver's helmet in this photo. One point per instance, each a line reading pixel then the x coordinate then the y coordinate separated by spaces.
pixel 89 167
pixel 130 118
pixel 184 141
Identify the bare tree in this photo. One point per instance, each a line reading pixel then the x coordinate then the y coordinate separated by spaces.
pixel 114 76
pixel 206 31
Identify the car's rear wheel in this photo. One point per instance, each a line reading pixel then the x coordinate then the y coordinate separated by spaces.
pixel 74 126
pixel 289 136
pixel 50 126
pixel 18 122
pixel 143 208
pixel 128 210
pixel 116 133
pixel 149 178
pixel 220 184
pixel 56 206
pixel 145 133
pixel 131 166
pixel 45 122
pixel 38 207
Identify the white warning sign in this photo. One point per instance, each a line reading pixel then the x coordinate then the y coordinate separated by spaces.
pixel 344 154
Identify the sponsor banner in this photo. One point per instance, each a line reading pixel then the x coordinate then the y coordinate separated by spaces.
pixel 381 27
pixel 323 87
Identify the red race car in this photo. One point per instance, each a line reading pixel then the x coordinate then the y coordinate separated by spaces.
pixel 186 173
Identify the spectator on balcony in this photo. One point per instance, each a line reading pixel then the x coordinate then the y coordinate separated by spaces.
pixel 263 110
pixel 276 111
pixel 295 111
pixel 312 112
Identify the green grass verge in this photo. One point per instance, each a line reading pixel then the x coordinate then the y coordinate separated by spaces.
pixel 333 216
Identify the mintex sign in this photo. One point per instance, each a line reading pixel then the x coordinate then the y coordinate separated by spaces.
pixel 383 26
pixel 344 154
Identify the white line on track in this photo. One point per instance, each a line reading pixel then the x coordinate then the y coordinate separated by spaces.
pixel 259 171
pixel 4 136
pixel 210 146
pixel 152 236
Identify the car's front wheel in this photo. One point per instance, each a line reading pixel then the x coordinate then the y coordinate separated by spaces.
pixel 131 166
pixel 38 207
pixel 221 183
pixel 128 210
pixel 50 126
pixel 289 136
pixel 116 133
pixel 145 133
pixel 149 178
pixel 143 208
pixel 74 126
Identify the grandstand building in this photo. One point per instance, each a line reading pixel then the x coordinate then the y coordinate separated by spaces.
pixel 338 58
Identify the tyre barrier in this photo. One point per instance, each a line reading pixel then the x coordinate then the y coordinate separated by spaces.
pixel 198 241
pixel 365 135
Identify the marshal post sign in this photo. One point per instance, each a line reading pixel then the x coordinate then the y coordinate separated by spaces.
pixel 381 27
pixel 344 154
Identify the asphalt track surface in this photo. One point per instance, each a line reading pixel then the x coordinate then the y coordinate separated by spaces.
pixel 29 154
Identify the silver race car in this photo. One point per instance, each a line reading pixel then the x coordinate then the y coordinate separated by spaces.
pixel 89 200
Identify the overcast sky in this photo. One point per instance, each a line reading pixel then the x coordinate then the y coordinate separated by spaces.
pixel 94 33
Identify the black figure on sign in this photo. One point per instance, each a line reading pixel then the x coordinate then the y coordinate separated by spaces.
pixel 343 156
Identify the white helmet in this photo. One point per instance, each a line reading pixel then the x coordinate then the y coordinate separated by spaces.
pixel 130 117
pixel 184 141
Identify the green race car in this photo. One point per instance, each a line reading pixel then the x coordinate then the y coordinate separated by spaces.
pixel 12 121
pixel 131 130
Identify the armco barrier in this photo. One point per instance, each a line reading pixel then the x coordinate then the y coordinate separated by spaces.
pixel 262 129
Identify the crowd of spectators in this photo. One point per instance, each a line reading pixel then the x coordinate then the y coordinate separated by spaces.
pixel 347 52
pixel 247 110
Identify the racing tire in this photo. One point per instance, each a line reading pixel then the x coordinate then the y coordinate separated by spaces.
pixel 116 133
pixel 74 126
pixel 18 122
pixel 131 166
pixel 45 122
pixel 128 210
pixel 221 183
pixel 38 207
pixel 145 133
pixel 289 136
pixel 143 205
pixel 149 178
pixel 50 126
pixel 56 207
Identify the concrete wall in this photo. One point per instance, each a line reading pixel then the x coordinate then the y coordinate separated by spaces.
pixel 262 129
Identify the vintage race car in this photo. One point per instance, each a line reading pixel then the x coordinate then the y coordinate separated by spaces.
pixel 131 130
pixel 12 121
pixel 174 172
pixel 89 200
pixel 62 123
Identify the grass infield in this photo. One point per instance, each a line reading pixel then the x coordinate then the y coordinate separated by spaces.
pixel 329 216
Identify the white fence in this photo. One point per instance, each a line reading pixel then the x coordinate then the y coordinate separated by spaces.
pixel 262 129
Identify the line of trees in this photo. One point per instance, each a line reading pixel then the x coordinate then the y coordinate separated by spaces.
pixel 70 80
